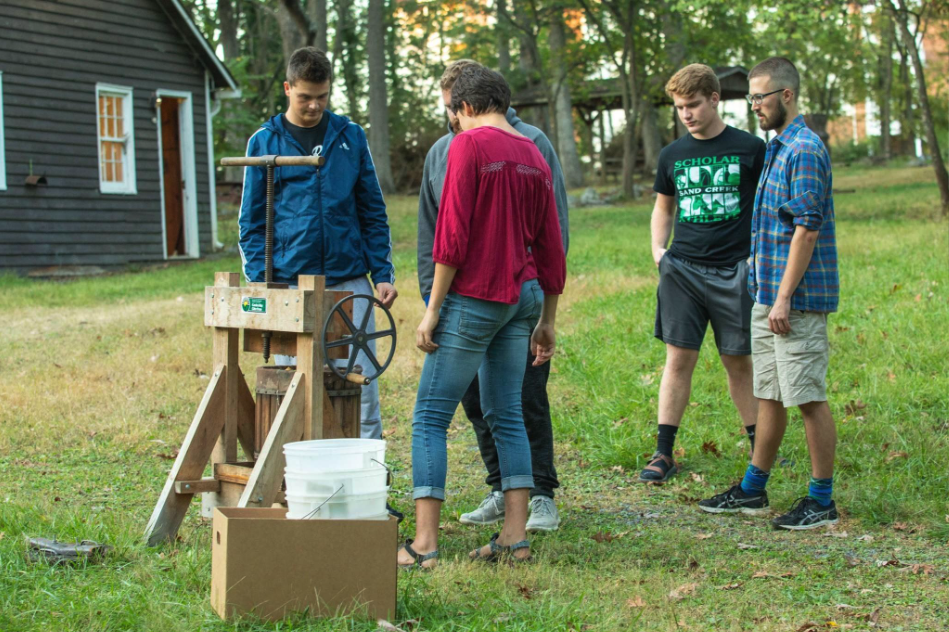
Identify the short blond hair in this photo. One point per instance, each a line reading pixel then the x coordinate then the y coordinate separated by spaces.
pixel 694 79
pixel 450 76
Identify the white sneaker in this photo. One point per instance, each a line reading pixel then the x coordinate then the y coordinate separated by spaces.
pixel 490 510
pixel 544 515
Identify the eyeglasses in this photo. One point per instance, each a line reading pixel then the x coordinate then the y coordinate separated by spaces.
pixel 758 99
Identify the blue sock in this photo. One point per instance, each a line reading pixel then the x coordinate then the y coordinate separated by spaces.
pixel 821 489
pixel 755 480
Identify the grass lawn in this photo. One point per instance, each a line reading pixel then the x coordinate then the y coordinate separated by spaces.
pixel 100 379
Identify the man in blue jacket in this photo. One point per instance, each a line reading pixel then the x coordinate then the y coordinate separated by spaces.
pixel 328 220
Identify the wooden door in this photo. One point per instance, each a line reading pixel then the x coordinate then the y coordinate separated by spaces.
pixel 173 181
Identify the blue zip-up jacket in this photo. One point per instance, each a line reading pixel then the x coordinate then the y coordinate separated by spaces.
pixel 328 220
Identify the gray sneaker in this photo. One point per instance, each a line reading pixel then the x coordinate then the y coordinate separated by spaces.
pixel 544 515
pixel 490 510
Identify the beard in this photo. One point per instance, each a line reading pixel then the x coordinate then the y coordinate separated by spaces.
pixel 455 125
pixel 778 119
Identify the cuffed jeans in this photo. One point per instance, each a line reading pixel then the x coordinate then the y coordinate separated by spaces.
pixel 540 434
pixel 490 340
pixel 371 422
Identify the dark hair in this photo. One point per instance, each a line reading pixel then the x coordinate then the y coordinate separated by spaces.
pixel 483 89
pixel 309 64
pixel 780 71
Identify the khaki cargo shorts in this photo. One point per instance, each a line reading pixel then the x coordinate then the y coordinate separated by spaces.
pixel 790 368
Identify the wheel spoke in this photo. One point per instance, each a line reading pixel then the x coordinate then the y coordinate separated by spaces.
pixel 380 334
pixel 342 342
pixel 351 364
pixel 347 321
pixel 365 317
pixel 372 358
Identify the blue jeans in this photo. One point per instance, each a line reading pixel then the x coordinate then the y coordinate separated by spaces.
pixel 490 340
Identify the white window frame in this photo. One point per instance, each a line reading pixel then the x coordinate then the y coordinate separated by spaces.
pixel 3 149
pixel 129 186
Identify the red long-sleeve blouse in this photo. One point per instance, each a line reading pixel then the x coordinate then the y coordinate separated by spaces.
pixel 497 220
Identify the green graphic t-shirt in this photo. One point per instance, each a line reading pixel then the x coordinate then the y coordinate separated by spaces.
pixel 714 184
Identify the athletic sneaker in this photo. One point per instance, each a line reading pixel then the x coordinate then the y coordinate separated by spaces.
pixel 490 510
pixel 807 513
pixel 735 500
pixel 544 515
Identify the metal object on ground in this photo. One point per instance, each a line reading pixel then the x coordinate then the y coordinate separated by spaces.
pixel 56 552
pixel 359 338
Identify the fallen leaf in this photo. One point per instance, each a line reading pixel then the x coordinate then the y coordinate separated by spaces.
pixel 836 534
pixel 843 606
pixel 734 586
pixel 635 602
pixel 697 478
pixel 388 433
pixel 526 591
pixel 892 456
pixel 702 536
pixel 902 526
pixel 620 422
pixel 603 536
pixel 896 286
pixel 866 538
pixel 678 453
pixel 875 617
pixel 683 591
pixel 746 547
pixel 918 298
pixel 709 447
pixel 853 406
pixel 882 563
pixel 168 456
pixel 693 565
pixel 922 569
pixel 808 627
pixel 619 469
pixel 891 376
pixel 154 358
pixel 388 627
pixel 58 366
pixel 765 575
pixel 694 404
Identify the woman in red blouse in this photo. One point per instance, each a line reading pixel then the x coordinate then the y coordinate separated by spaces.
pixel 499 269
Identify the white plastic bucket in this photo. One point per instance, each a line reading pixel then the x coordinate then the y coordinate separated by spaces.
pixel 352 507
pixel 334 455
pixel 367 481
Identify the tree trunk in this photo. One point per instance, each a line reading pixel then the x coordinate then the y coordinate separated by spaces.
pixel 629 138
pixel 291 36
pixel 652 139
pixel 344 56
pixel 531 64
pixel 292 15
pixel 228 19
pixel 886 84
pixel 378 95
pixel 563 105
pixel 908 122
pixel 317 11
pixel 504 39
pixel 942 177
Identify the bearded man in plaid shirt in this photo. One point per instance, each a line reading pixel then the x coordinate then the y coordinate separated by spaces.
pixel 793 279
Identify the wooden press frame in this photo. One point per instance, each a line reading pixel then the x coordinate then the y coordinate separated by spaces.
pixel 225 415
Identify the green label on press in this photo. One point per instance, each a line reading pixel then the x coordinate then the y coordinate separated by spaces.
pixel 254 305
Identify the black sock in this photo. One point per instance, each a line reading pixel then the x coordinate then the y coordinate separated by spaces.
pixel 750 431
pixel 667 439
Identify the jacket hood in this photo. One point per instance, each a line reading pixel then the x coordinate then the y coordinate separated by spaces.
pixel 275 122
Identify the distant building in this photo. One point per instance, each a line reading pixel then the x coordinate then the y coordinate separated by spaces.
pixel 105 133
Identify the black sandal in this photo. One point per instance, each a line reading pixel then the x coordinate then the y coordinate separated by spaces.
pixel 500 551
pixel 659 469
pixel 417 560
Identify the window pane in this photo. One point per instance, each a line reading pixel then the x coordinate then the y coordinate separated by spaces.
pixel 107 159
pixel 118 154
pixel 110 130
pixel 120 125
pixel 102 115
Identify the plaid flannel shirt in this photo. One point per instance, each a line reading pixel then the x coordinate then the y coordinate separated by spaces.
pixel 795 189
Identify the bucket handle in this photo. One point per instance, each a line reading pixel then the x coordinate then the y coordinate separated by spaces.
pixel 307 516
pixel 389 477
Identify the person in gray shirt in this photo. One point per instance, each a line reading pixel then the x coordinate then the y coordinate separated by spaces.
pixel 536 407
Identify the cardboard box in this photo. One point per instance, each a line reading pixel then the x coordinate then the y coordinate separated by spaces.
pixel 267 565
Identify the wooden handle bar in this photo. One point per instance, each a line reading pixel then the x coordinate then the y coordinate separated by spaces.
pixel 276 161
pixel 357 378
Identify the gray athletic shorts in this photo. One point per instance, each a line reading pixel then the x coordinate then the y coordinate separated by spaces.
pixel 692 295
